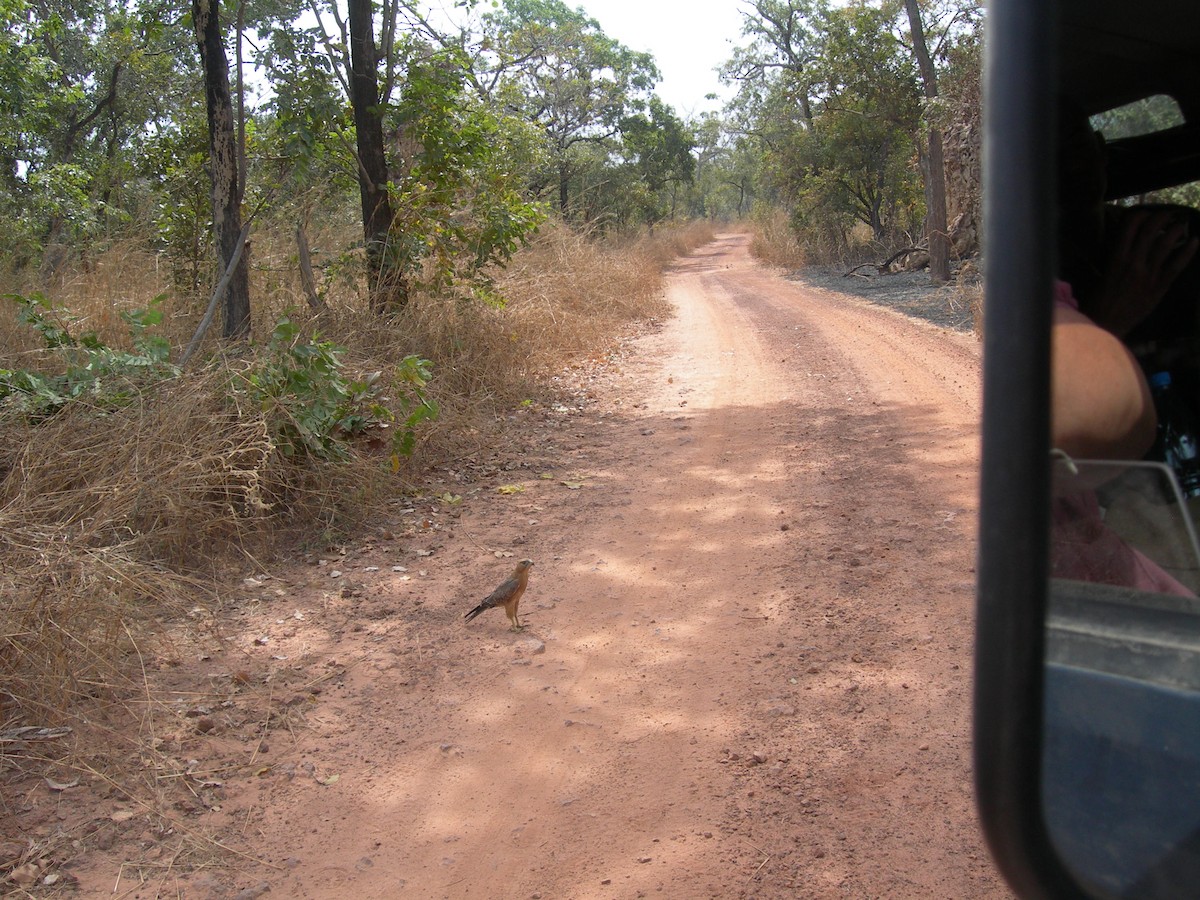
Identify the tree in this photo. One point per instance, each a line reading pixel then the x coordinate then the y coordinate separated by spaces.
pixel 726 170
pixel 436 166
pixel 223 163
pixel 388 284
pixel 659 149
pixel 933 163
pixel 562 72
pixel 781 62
pixel 173 165
pixel 961 121
pixel 830 98
pixel 306 134
pixel 456 183
pixel 83 85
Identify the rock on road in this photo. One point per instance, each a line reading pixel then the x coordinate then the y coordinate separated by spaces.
pixel 748 662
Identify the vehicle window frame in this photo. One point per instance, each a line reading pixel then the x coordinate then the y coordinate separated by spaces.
pixel 1025 51
pixel 1013 584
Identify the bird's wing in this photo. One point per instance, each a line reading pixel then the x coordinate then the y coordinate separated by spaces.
pixel 502 593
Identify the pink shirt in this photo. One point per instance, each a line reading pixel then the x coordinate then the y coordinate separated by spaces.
pixel 1064 296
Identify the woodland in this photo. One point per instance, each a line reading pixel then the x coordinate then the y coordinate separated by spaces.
pixel 264 261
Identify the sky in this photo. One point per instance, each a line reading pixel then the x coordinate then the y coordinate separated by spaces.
pixel 689 40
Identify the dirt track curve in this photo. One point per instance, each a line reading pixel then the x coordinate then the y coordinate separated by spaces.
pixel 747 666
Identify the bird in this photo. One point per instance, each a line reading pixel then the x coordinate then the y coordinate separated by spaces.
pixel 508 595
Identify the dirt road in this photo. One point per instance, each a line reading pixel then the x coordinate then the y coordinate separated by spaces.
pixel 746 671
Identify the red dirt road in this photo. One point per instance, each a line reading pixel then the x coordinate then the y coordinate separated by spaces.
pixel 746 671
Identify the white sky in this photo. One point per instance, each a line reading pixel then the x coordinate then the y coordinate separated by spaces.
pixel 689 40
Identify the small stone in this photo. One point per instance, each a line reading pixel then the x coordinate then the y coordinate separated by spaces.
pixel 251 893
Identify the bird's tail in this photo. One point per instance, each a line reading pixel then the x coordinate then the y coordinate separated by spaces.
pixel 473 613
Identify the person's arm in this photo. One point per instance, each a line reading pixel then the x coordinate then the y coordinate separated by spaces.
pixel 1101 406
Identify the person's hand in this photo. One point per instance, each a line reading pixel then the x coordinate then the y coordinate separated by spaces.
pixel 1151 250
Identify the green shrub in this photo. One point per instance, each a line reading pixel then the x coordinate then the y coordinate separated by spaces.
pixel 85 369
pixel 313 408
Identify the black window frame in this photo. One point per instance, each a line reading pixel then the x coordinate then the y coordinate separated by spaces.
pixel 1021 87
pixel 1012 571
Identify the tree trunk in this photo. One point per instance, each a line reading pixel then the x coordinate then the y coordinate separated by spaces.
pixel 935 204
pixel 307 280
pixel 878 232
pixel 935 168
pixel 388 282
pixel 241 97
pixel 223 160
pixel 564 181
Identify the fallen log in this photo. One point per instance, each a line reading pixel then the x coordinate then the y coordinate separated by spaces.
pixel 884 267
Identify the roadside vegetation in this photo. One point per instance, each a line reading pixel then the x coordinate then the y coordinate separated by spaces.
pixel 260 271
pixel 131 484
pixel 858 127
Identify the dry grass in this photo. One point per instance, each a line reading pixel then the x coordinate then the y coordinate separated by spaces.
pixel 775 242
pixel 778 241
pixel 569 298
pixel 969 292
pixel 108 521
pixel 113 519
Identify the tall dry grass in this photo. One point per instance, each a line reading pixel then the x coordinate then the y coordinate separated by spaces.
pixel 113 519
pixel 969 292
pixel 780 241
pixel 774 241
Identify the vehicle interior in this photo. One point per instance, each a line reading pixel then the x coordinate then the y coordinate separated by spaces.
pixel 1087 707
